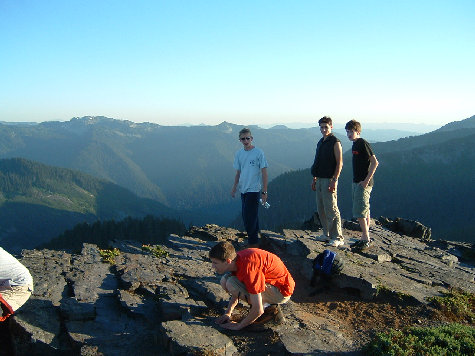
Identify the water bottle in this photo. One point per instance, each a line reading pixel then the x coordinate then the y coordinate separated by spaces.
pixel 266 205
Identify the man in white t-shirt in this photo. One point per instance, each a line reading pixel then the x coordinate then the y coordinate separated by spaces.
pixel 16 284
pixel 251 178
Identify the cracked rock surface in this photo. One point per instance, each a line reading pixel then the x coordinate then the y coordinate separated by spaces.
pixel 147 305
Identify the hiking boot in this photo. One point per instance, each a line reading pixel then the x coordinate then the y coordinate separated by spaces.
pixel 356 244
pixel 271 313
pixel 336 242
pixel 361 245
pixel 365 245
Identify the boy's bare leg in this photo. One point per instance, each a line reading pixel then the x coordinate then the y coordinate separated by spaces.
pixel 364 224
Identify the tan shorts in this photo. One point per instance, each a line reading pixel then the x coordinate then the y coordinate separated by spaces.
pixel 361 200
pixel 271 295
pixel 16 296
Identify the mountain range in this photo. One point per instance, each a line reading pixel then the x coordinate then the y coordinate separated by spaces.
pixel 181 167
pixel 186 172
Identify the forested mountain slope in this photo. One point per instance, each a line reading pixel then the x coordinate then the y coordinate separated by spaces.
pixel 39 202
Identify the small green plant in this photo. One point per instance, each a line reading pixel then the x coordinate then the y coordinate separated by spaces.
pixel 156 250
pixel 451 339
pixel 109 255
pixel 456 304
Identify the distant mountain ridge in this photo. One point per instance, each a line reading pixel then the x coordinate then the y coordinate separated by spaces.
pixel 187 172
pixel 181 167
pixel 468 123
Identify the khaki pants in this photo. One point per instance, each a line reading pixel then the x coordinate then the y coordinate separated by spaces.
pixel 271 295
pixel 327 209
pixel 16 296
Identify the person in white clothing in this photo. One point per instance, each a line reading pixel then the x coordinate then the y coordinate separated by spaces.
pixel 16 284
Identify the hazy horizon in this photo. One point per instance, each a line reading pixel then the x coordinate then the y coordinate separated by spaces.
pixel 177 63
pixel 401 126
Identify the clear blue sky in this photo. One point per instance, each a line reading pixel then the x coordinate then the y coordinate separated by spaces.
pixel 247 62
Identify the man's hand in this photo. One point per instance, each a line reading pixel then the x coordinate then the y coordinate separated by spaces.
pixel 364 183
pixel 314 185
pixel 332 185
pixel 264 198
pixel 223 319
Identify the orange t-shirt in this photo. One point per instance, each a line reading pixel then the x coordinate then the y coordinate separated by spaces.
pixel 256 267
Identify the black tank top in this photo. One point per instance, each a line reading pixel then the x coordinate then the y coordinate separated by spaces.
pixel 325 161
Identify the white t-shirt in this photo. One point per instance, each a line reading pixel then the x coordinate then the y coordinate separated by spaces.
pixel 250 164
pixel 12 272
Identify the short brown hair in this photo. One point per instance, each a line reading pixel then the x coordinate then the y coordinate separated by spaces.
pixel 353 125
pixel 223 251
pixel 245 131
pixel 325 120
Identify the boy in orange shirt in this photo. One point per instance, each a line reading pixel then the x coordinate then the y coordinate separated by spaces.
pixel 256 275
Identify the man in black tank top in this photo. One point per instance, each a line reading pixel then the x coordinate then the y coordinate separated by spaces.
pixel 325 170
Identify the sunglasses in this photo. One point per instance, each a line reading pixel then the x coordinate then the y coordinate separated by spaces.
pixel 245 138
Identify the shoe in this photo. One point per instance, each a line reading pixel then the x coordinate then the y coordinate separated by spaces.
pixel 365 245
pixel 336 242
pixel 356 244
pixel 323 238
pixel 271 313
pixel 361 245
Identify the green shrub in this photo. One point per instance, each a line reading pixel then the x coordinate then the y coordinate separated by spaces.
pixel 451 339
pixel 157 251
pixel 109 255
pixel 456 304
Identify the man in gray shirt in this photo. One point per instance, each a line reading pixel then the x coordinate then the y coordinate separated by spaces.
pixel 251 179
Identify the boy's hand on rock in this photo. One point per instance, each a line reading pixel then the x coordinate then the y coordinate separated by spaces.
pixel 223 319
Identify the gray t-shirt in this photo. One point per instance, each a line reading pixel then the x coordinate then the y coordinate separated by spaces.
pixel 250 164
pixel 12 272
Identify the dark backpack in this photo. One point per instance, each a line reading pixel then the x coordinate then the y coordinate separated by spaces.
pixel 325 265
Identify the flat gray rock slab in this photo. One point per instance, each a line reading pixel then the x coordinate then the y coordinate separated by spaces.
pixel 306 333
pixel 185 337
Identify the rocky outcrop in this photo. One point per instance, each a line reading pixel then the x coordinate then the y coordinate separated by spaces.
pixel 148 305
pixel 407 227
